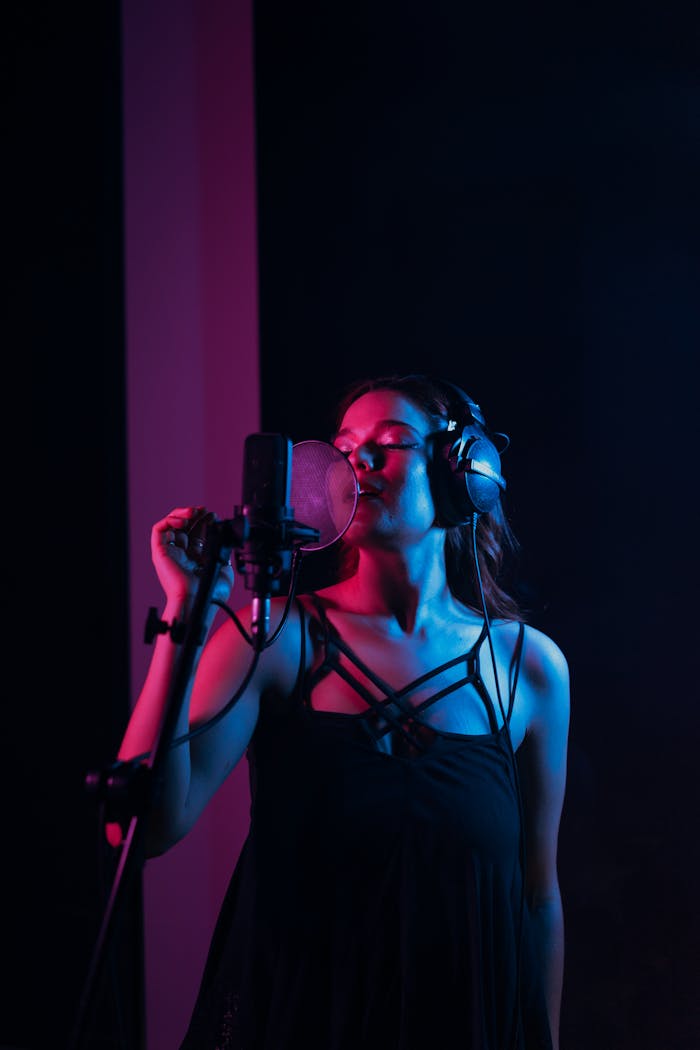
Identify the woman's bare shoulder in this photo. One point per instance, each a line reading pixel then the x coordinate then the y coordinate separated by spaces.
pixel 279 661
pixel 545 673
pixel 544 662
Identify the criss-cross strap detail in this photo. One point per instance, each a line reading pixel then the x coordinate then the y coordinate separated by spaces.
pixel 379 706
pixel 396 697
pixel 393 711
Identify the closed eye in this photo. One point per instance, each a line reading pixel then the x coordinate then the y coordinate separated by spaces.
pixel 392 446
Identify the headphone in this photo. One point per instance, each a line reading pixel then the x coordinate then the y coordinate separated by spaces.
pixel 466 474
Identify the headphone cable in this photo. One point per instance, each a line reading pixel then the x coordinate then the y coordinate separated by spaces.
pixel 516 780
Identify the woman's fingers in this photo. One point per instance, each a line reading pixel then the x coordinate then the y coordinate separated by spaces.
pixel 179 543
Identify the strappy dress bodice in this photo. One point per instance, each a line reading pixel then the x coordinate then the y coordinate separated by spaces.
pixel 376 904
pixel 391 717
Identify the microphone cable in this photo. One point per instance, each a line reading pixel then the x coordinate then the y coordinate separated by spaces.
pixel 192 733
pixel 296 565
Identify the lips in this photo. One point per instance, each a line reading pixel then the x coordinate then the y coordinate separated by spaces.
pixel 368 491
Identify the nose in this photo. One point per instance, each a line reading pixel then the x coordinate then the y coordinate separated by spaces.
pixel 365 457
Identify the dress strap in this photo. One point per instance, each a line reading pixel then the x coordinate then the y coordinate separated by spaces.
pixel 299 684
pixel 320 611
pixel 514 673
pixel 321 630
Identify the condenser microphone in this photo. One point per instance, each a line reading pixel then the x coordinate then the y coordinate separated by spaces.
pixel 264 558
pixel 321 485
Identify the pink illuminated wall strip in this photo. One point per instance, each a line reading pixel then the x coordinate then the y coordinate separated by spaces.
pixel 193 389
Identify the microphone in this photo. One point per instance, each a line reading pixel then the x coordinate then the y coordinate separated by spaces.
pixel 265 558
pixel 320 483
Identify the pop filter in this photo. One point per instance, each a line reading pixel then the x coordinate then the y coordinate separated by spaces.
pixel 323 491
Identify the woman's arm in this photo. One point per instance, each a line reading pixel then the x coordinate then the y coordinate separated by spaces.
pixel 194 770
pixel 542 760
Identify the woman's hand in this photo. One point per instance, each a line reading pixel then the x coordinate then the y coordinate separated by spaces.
pixel 178 551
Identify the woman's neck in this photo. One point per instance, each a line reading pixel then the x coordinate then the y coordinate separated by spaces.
pixel 407 587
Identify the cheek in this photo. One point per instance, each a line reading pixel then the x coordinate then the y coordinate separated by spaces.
pixel 420 498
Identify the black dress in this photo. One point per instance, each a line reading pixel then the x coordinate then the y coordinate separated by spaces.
pixel 377 901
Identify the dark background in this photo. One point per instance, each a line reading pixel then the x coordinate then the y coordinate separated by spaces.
pixel 510 197
pixel 66 541
pixel 507 197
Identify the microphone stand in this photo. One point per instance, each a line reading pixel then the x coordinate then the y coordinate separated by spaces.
pixel 131 788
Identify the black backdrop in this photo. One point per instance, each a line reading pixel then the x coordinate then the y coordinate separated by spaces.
pixel 510 198
pixel 67 689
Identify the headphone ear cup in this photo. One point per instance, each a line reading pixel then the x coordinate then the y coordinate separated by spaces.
pixel 482 491
pixel 467 478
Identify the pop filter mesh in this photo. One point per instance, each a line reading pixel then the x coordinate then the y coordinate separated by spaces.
pixel 323 491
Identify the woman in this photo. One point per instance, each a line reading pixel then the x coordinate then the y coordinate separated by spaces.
pixel 407 736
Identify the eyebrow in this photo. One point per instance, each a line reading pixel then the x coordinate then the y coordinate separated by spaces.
pixel 381 423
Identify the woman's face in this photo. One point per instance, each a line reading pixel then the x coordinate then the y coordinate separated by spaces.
pixel 385 437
